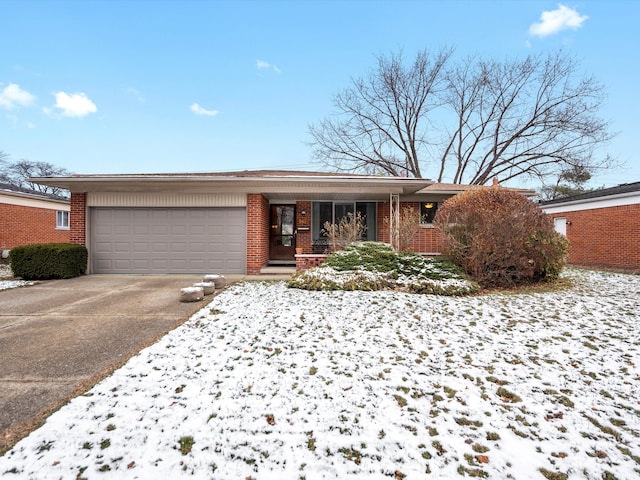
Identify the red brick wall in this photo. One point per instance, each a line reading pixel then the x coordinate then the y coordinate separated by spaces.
pixel 77 218
pixel 304 262
pixel 604 237
pixel 22 225
pixel 303 237
pixel 427 240
pixel 257 232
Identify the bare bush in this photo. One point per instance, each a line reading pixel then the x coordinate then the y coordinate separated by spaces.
pixel 408 227
pixel 349 229
pixel 500 237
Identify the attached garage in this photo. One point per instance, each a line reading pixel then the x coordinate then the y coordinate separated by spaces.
pixel 157 240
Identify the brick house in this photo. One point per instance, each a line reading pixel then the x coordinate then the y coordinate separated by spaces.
pixel 236 222
pixel 603 226
pixel 29 217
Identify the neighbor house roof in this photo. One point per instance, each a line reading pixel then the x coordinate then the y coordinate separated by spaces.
pixel 618 196
pixel 8 189
pixel 624 189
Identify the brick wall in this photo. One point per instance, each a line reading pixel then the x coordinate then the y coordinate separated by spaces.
pixel 304 262
pixel 303 237
pixel 77 218
pixel 22 225
pixel 427 240
pixel 257 232
pixel 604 237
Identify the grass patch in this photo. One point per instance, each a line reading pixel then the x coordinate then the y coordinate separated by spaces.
pixel 507 396
pixel 186 444
pixel 553 475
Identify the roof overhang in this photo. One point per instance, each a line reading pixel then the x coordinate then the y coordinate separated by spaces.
pixel 619 200
pixel 12 197
pixel 293 186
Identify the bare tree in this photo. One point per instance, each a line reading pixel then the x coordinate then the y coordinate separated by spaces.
pixel 381 125
pixel 521 118
pixel 467 122
pixel 4 177
pixel 18 174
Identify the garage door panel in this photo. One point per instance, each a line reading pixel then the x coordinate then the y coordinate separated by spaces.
pixel 157 229
pixel 159 247
pixel 158 265
pixel 168 240
pixel 198 247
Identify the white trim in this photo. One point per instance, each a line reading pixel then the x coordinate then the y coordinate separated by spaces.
pixel 60 226
pixel 165 199
pixel 630 198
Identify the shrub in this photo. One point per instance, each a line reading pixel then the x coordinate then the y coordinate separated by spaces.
pixel 43 261
pixel 500 238
pixel 377 266
pixel 408 227
pixel 372 256
pixel 349 229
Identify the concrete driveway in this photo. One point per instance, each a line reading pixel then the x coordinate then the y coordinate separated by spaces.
pixel 58 338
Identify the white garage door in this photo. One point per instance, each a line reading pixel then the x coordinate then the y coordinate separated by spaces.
pixel 168 240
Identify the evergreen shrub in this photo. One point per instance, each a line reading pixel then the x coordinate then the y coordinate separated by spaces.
pixel 44 261
pixel 374 266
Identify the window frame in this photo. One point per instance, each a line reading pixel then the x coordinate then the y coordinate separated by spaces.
pixel 316 239
pixel 62 220
pixel 426 219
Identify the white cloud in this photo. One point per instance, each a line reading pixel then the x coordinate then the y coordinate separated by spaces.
pixel 13 96
pixel 554 21
pixel 73 105
pixel 262 65
pixel 198 110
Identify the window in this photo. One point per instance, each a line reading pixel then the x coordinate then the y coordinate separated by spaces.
pixel 62 219
pixel 428 212
pixel 333 212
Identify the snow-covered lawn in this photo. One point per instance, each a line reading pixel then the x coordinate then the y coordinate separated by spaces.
pixel 268 382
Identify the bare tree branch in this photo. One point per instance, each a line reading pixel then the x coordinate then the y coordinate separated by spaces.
pixel 18 173
pixel 467 122
pixel 529 118
pixel 380 123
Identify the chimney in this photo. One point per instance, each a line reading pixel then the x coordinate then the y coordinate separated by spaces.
pixel 495 182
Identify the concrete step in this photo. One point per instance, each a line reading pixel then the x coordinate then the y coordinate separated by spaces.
pixel 277 270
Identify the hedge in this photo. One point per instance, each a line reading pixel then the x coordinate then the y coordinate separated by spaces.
pixel 44 261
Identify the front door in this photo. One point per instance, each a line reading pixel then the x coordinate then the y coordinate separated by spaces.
pixel 282 241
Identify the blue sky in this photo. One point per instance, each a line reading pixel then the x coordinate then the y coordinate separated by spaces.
pixel 194 86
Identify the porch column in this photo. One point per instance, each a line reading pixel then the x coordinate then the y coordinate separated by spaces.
pixel 257 233
pixel 394 220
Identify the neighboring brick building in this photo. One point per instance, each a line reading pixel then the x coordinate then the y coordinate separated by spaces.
pixel 237 222
pixel 29 217
pixel 603 226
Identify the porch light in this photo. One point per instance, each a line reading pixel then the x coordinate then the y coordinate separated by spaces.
pixel 428 205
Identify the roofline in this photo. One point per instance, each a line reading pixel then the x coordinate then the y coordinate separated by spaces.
pixel 621 199
pixel 35 196
pixel 618 191
pixel 86 183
